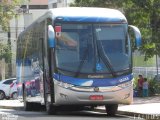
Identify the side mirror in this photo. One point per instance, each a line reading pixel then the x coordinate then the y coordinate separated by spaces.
pixel 138 38
pixel 51 36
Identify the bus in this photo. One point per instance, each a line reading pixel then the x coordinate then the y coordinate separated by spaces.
pixel 76 56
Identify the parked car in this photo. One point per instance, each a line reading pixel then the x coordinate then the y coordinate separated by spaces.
pixel 13 90
pixel 8 89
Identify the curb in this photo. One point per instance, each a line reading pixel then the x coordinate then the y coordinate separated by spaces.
pixel 134 114
pixel 11 107
pixel 140 115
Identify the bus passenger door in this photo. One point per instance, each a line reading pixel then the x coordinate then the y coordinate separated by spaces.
pixel 47 86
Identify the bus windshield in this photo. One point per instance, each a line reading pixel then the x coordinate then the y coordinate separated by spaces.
pixel 93 48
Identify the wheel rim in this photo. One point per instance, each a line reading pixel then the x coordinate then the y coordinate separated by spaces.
pixel 1 95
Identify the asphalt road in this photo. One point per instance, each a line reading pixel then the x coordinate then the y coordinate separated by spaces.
pixel 8 114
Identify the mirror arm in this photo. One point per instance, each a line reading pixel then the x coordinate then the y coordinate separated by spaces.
pixel 137 34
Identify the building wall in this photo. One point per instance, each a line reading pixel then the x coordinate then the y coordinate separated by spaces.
pixel 59 3
pixel 23 20
pixel 38 2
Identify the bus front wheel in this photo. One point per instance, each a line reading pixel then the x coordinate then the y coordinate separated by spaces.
pixel 51 109
pixel 111 109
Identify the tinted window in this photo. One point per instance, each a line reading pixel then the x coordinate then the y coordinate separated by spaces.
pixel 8 82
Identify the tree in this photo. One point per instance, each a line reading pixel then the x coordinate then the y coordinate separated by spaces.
pixel 143 13
pixel 5 56
pixel 8 11
pixel 5 52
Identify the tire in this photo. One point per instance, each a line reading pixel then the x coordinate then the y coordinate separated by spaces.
pixel 14 95
pixel 111 109
pixel 31 106
pixel 2 95
pixel 36 107
pixel 27 105
pixel 7 98
pixel 51 109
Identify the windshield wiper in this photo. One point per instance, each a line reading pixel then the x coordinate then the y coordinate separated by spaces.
pixel 104 58
pixel 82 62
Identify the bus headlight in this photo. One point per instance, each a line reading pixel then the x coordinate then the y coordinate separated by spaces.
pixel 126 84
pixel 64 85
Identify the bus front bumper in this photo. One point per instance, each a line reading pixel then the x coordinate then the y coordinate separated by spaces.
pixel 109 95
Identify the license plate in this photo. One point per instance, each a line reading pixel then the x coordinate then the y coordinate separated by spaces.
pixel 96 97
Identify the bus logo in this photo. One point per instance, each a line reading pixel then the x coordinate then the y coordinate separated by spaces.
pixel 95 76
pixel 96 89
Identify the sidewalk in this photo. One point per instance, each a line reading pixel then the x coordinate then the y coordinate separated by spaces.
pixel 11 104
pixel 148 108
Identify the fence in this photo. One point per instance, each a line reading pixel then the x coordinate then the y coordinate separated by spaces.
pixel 148 72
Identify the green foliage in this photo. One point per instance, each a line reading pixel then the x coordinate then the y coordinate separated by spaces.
pixel 135 83
pixel 154 86
pixel 89 3
pixel 5 52
pixel 8 11
pixel 143 13
pixel 138 61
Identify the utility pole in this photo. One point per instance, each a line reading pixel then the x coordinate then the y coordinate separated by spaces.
pixel 157 64
pixel 9 44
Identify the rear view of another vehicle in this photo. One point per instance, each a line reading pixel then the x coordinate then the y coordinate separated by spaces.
pixel 7 88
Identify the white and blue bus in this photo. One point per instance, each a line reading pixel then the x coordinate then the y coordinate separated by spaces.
pixel 76 57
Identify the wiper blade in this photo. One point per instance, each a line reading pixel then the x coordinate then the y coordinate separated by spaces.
pixel 82 62
pixel 105 59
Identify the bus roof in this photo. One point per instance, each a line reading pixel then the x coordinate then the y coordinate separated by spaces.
pixel 82 14
pixel 87 14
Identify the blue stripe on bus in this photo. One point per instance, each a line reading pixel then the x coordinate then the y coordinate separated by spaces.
pixel 93 82
pixel 89 19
